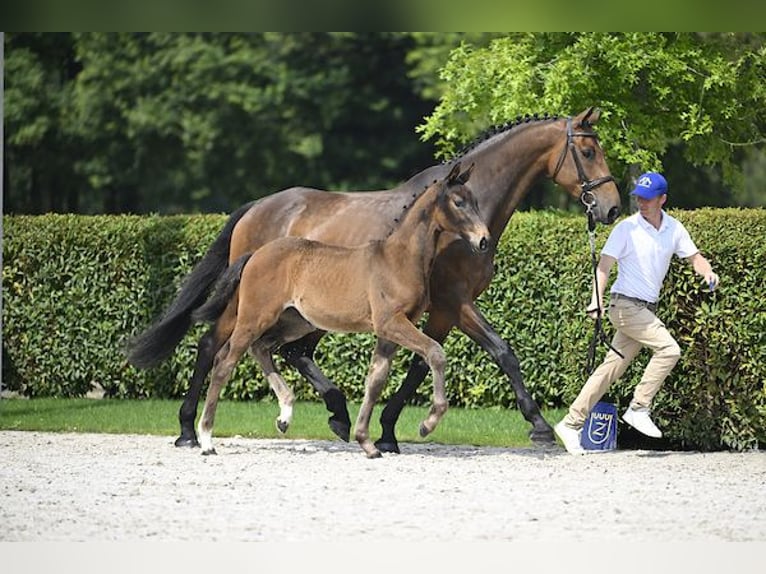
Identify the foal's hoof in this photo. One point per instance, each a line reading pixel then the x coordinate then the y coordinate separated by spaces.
pixel 341 429
pixel 388 446
pixel 187 441
pixel 424 432
pixel 282 426
pixel 375 454
pixel 208 452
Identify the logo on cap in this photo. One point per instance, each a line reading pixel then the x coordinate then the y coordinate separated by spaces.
pixel 645 181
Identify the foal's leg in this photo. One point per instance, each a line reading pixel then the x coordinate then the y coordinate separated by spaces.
pixel 401 331
pixel 437 327
pixel 210 344
pixel 284 393
pixel 225 361
pixel 376 378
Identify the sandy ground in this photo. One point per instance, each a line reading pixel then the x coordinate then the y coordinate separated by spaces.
pixel 99 487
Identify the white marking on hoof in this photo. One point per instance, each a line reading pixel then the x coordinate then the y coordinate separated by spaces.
pixel 286 414
pixel 206 443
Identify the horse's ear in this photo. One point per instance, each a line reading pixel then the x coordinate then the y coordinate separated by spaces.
pixel 589 117
pixel 466 175
pixel 454 173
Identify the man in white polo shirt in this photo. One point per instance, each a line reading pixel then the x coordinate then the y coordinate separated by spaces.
pixel 642 245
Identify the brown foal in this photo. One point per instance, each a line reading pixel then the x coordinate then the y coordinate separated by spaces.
pixel 381 287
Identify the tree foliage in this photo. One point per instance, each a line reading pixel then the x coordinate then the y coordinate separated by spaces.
pixel 184 122
pixel 698 98
pixel 203 122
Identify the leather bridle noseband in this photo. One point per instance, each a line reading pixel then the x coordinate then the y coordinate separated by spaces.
pixel 586 185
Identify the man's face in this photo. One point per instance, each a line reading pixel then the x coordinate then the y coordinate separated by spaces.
pixel 651 206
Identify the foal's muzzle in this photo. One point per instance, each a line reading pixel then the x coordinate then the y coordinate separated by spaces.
pixel 479 242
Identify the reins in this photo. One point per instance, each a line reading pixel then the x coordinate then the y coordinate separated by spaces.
pixel 599 336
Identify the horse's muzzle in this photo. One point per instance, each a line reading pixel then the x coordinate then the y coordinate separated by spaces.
pixel 480 246
pixel 479 241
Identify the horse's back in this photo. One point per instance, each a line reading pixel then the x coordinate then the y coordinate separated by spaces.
pixel 335 218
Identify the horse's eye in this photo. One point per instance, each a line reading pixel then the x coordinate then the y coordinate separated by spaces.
pixel 459 203
pixel 588 153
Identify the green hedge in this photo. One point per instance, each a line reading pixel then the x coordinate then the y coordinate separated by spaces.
pixel 75 287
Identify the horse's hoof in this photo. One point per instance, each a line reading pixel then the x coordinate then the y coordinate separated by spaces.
pixel 388 446
pixel 187 441
pixel 375 454
pixel 542 436
pixel 208 452
pixel 340 428
pixel 424 432
pixel 282 426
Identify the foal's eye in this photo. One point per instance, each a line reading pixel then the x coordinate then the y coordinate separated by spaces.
pixel 459 203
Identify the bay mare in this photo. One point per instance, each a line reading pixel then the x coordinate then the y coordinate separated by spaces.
pixel 380 287
pixel 508 160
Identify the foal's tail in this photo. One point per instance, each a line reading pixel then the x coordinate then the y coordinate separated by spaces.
pixel 158 341
pixel 224 290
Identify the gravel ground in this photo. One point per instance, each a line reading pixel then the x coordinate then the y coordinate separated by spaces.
pixel 100 487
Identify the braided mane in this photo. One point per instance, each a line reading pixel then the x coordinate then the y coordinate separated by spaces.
pixel 501 128
pixel 478 140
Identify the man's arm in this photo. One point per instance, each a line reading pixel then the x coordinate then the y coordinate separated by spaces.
pixel 703 268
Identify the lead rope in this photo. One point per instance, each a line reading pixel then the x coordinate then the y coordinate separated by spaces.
pixel 599 336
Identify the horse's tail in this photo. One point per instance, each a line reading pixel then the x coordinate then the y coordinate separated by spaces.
pixel 224 290
pixel 157 342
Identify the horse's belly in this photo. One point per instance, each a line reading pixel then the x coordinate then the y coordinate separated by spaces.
pixel 338 317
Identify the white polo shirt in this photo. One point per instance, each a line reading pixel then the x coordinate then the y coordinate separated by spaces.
pixel 643 254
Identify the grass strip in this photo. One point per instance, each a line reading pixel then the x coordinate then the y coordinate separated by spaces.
pixel 480 427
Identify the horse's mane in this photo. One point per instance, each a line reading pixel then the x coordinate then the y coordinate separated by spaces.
pixel 485 135
pixel 498 129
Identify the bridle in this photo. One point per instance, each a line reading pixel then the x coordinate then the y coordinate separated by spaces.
pixel 588 199
pixel 587 186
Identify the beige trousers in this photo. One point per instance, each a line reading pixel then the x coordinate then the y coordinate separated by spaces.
pixel 636 327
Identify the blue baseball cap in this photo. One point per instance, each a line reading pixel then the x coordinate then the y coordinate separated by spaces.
pixel 650 185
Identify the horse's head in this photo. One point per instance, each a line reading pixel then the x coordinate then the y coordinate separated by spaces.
pixel 580 167
pixel 458 211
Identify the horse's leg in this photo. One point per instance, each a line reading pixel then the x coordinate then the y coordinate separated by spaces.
pixel 437 327
pixel 380 365
pixel 299 354
pixel 400 330
pixel 473 324
pixel 225 361
pixel 284 393
pixel 206 350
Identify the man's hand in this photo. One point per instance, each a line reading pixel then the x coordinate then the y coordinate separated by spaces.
pixel 593 311
pixel 711 279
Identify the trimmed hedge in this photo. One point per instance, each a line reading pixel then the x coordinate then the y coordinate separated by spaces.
pixel 76 287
